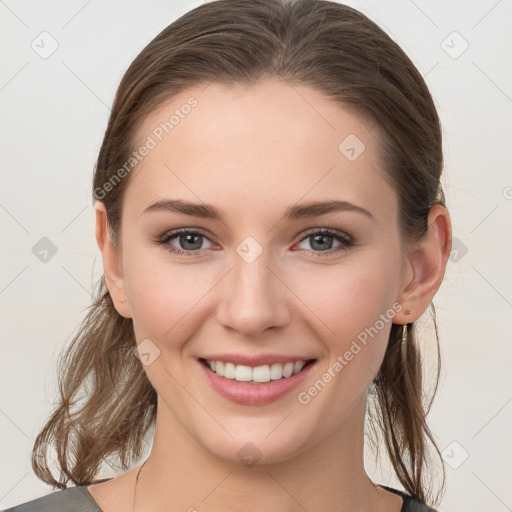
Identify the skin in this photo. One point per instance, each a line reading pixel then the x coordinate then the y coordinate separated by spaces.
pixel 252 152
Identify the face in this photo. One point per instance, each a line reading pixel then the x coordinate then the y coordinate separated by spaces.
pixel 254 279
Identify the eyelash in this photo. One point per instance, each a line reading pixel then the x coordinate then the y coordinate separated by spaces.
pixel 345 240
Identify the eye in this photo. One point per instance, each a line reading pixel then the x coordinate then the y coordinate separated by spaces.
pixel 189 242
pixel 322 239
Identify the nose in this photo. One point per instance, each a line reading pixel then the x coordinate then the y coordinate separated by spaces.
pixel 254 298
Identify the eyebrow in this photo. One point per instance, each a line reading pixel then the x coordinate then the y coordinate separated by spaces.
pixel 294 212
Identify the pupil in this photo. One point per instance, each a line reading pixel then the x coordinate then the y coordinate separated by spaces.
pixel 321 245
pixel 190 239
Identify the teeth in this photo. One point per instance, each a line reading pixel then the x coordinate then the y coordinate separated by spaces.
pixel 297 367
pixel 288 369
pixel 229 370
pixel 264 373
pixel 242 373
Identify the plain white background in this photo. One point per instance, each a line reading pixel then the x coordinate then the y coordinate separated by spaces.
pixel 54 112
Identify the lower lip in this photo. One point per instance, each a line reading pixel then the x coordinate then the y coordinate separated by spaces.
pixel 247 393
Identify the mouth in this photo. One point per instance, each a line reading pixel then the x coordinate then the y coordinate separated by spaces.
pixel 258 385
pixel 256 374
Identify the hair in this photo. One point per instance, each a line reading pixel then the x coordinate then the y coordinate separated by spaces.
pixel 333 49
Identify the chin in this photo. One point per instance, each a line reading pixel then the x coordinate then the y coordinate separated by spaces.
pixel 255 447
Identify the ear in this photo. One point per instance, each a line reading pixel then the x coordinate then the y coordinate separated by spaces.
pixel 425 266
pixel 111 262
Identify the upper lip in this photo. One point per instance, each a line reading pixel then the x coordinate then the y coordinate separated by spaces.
pixel 256 360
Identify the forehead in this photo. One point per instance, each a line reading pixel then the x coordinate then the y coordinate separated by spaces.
pixel 265 144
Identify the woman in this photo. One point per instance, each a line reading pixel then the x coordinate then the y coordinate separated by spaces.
pixel 272 224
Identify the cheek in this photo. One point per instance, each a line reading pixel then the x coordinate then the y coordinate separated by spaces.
pixel 165 296
pixel 351 307
pixel 349 297
pixel 354 309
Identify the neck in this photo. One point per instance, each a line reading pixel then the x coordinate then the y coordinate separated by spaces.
pixel 180 474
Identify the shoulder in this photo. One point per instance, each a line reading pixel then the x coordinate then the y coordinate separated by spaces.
pixel 66 500
pixel 410 504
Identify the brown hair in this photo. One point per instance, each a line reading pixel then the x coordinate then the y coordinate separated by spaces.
pixel 322 44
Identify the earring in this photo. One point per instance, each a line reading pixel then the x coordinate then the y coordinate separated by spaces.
pixel 404 334
pixel 123 301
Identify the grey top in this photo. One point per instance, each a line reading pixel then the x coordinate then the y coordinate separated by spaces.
pixel 73 499
pixel 79 499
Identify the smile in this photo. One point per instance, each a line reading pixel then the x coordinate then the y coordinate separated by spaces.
pixel 258 374
pixel 259 385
